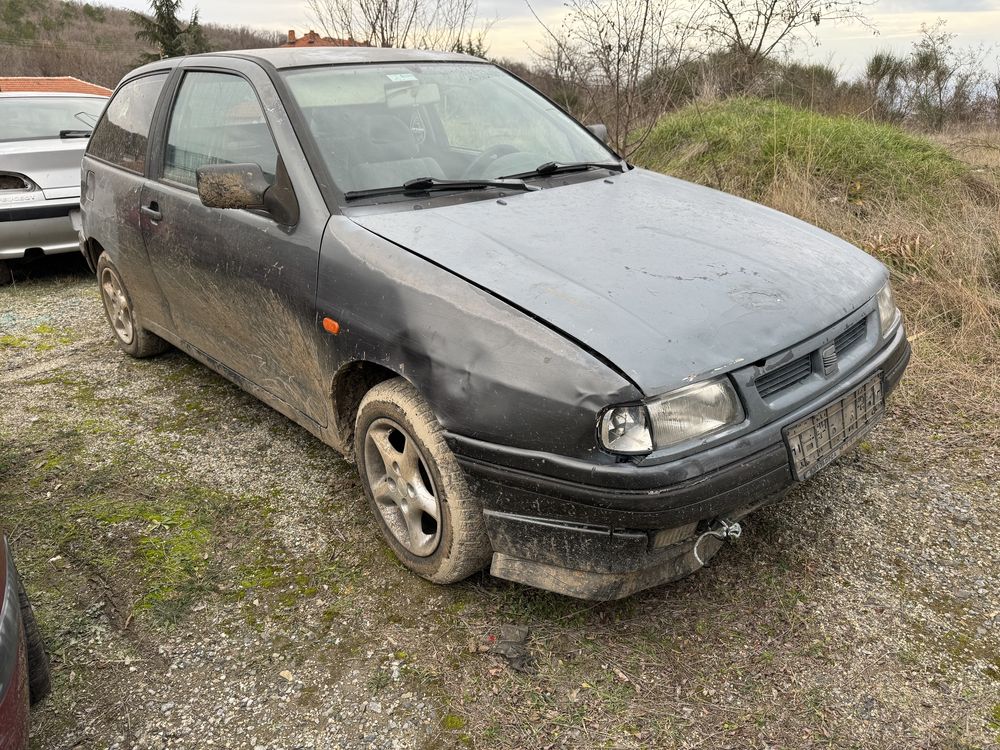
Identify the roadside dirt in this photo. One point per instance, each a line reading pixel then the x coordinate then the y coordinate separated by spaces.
pixel 207 575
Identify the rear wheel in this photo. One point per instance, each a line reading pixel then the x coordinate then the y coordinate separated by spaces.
pixel 39 675
pixel 415 487
pixel 131 337
pixel 6 273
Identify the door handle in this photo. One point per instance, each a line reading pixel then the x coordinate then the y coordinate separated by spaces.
pixel 152 211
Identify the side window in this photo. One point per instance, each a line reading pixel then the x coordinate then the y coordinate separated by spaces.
pixel 123 132
pixel 216 120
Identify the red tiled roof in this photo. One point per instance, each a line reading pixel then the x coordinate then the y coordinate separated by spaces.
pixel 51 84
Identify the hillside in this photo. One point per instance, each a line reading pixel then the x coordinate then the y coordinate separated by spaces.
pixel 93 42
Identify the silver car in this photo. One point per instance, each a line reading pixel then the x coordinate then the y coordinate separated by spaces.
pixel 42 140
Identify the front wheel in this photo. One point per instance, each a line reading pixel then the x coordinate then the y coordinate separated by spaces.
pixel 415 487
pixel 131 337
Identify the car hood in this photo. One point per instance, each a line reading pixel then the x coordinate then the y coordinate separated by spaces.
pixel 51 163
pixel 667 280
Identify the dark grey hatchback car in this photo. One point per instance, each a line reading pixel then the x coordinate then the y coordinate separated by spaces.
pixel 537 354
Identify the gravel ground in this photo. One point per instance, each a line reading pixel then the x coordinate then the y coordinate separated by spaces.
pixel 206 575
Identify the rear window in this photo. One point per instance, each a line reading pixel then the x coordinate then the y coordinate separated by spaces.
pixel 122 134
pixel 33 117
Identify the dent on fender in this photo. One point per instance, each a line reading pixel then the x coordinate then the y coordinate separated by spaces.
pixel 479 362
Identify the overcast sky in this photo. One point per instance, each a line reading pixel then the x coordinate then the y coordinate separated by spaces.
pixel 516 31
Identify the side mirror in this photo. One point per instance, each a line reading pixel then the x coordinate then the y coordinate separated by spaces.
pixel 232 186
pixel 244 186
pixel 601 131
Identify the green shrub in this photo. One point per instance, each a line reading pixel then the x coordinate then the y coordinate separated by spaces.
pixel 747 145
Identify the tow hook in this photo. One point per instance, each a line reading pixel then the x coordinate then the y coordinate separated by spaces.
pixel 720 528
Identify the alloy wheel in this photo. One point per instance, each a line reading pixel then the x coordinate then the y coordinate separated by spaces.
pixel 402 487
pixel 116 304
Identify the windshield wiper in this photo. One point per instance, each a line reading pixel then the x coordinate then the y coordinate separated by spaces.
pixel 427 184
pixel 75 133
pixel 553 167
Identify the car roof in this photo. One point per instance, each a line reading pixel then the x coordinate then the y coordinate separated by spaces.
pixel 299 57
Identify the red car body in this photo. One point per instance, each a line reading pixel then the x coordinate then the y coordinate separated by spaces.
pixel 14 695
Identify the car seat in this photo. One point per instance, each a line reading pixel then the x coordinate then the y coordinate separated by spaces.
pixel 389 155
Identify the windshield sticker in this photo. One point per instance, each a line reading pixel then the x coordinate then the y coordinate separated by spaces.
pixel 397 77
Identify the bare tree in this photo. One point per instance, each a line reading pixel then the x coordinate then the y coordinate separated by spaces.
pixel 615 57
pixel 429 24
pixel 756 29
pixel 943 80
pixel 936 83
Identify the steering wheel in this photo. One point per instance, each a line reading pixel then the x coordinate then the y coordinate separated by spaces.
pixel 486 158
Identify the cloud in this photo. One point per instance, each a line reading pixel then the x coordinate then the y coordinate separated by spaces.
pixel 934 6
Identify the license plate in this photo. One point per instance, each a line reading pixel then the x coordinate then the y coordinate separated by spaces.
pixel 826 435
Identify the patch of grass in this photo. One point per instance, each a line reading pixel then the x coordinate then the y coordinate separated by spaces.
pixel 165 538
pixel 8 341
pixel 283 584
pixel 52 337
pixel 452 722
pixel 745 145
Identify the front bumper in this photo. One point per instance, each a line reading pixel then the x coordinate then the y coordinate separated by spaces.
pixel 44 226
pixel 603 532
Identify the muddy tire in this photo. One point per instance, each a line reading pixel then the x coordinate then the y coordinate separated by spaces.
pixel 6 273
pixel 39 675
pixel 415 488
pixel 119 311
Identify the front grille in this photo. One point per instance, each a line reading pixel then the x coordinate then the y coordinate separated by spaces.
pixel 851 336
pixel 799 369
pixel 785 376
pixel 829 357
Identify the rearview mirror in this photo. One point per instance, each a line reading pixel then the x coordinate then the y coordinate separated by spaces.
pixel 245 186
pixel 232 186
pixel 601 131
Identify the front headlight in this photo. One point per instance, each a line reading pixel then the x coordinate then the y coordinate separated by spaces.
pixel 667 420
pixel 694 411
pixel 888 313
pixel 625 429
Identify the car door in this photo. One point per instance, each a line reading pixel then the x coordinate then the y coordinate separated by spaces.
pixel 240 286
pixel 113 175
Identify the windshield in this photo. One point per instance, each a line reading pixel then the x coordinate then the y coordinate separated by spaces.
pixel 382 125
pixel 31 117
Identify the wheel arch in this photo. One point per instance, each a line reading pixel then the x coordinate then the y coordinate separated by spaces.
pixel 92 250
pixel 350 384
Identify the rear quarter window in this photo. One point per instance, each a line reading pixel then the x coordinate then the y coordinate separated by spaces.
pixel 122 134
